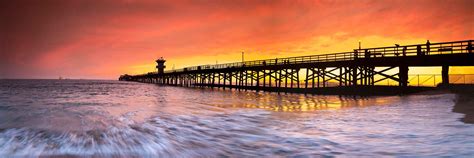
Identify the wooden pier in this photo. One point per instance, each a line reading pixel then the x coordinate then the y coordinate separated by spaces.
pixel 354 72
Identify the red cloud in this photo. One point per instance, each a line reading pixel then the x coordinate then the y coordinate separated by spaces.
pixel 99 39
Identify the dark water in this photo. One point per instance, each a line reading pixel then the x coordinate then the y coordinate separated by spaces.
pixel 125 119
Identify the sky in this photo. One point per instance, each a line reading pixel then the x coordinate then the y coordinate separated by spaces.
pixel 102 39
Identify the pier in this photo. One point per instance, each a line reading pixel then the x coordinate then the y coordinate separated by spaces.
pixel 359 71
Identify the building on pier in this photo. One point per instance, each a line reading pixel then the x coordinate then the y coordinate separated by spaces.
pixel 160 65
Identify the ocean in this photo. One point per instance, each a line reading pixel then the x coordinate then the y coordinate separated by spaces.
pixel 100 118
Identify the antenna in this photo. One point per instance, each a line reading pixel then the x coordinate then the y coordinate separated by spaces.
pixel 360 45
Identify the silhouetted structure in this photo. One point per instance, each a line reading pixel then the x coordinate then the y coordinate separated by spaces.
pixel 161 65
pixel 353 71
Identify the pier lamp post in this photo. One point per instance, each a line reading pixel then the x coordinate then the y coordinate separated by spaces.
pixel 360 45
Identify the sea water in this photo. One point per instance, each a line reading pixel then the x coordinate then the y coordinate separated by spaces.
pixel 128 119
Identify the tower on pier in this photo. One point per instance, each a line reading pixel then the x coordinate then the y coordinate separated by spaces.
pixel 161 65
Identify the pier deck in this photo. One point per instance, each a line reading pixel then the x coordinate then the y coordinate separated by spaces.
pixel 342 72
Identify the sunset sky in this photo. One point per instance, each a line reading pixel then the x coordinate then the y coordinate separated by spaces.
pixel 101 39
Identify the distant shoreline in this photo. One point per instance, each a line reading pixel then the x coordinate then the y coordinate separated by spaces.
pixel 55 79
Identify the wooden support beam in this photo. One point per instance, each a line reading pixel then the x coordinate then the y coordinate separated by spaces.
pixel 258 81
pixel 403 76
pixel 298 77
pixel 306 80
pixel 224 80
pixel 445 74
pixel 354 76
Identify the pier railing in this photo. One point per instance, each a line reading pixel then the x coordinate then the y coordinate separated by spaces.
pixel 432 80
pixel 379 52
pixel 419 80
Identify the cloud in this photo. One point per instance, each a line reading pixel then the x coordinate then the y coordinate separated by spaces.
pixel 102 39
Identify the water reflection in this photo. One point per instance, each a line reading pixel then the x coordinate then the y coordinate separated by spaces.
pixel 290 102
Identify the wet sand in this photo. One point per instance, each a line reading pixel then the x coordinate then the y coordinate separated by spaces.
pixel 465 105
pixel 464 102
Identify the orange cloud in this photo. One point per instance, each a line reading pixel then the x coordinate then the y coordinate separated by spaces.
pixel 103 39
